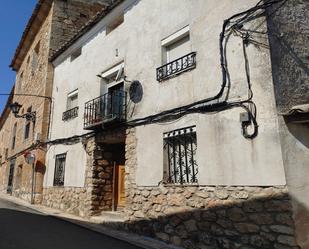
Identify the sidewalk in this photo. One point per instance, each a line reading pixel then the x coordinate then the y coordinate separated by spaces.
pixel 94 225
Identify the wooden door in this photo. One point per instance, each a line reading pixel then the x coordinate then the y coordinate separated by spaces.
pixel 121 198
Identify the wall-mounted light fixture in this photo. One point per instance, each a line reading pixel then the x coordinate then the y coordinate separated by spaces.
pixel 15 108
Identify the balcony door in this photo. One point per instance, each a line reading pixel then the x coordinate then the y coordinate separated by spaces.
pixel 115 102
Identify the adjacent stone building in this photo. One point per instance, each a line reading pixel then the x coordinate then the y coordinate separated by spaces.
pixel 150 123
pixel 52 23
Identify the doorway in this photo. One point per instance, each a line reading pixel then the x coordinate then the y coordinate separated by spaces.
pixel 119 187
pixel 11 177
pixel 115 154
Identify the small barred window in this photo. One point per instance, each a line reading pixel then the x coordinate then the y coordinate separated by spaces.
pixel 180 166
pixel 59 169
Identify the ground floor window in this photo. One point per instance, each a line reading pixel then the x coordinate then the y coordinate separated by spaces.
pixel 59 169
pixel 180 166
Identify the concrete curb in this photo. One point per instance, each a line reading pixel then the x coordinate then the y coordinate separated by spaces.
pixel 137 240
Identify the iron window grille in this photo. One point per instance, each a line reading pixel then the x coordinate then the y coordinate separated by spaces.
pixel 70 114
pixel 180 156
pixel 106 108
pixel 177 66
pixel 59 169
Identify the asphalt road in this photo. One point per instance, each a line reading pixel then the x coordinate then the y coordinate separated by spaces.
pixel 23 228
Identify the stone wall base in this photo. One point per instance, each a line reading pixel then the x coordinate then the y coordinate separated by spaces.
pixel 68 199
pixel 26 196
pixel 213 217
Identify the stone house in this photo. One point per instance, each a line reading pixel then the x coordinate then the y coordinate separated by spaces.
pixel 5 128
pixel 52 24
pixel 147 123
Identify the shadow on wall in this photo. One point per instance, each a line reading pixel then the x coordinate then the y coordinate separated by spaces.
pixel 263 222
pixel 295 144
pixel 300 132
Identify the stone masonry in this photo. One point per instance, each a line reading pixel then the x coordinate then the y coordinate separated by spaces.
pixel 208 216
pixel 95 196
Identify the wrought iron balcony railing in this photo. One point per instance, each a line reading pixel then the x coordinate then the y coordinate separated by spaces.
pixel 70 114
pixel 110 107
pixel 176 67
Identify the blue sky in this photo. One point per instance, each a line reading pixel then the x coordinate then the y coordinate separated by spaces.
pixel 14 16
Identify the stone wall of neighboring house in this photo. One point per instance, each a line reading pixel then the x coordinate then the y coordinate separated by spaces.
pixel 69 17
pixel 289 38
pixel 31 79
pixel 5 145
pixel 208 216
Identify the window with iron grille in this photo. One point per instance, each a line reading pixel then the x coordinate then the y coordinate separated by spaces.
pixel 59 169
pixel 180 166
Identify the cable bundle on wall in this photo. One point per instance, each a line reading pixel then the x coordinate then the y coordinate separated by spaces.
pixel 231 24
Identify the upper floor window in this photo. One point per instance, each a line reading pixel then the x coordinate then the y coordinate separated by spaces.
pixel 177 55
pixel 72 106
pixel 27 126
pixel 180 166
pixel 20 82
pixel 76 53
pixel 72 99
pixel 14 136
pixel 176 47
pixel 35 57
pixel 115 23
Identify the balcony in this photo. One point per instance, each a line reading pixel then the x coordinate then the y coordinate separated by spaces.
pixel 109 108
pixel 70 114
pixel 176 67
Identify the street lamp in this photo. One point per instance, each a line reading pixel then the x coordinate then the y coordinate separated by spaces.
pixel 15 108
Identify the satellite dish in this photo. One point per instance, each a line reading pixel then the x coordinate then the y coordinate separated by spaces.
pixel 136 91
